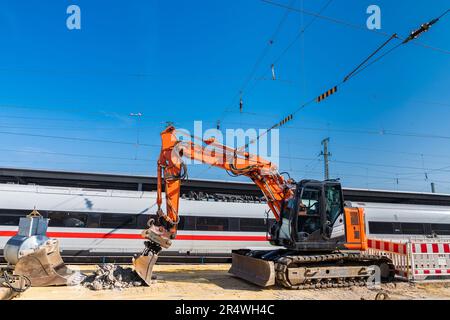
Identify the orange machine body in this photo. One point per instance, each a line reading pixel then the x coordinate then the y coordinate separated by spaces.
pixel 355 229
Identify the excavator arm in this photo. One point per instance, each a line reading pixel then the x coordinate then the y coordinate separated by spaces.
pixel 172 170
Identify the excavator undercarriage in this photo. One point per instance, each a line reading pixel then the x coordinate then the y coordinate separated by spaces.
pixel 292 270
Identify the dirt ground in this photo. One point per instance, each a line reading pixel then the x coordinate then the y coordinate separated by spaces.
pixel 200 282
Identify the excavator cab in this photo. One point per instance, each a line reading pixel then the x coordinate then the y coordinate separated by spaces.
pixel 314 227
pixel 314 219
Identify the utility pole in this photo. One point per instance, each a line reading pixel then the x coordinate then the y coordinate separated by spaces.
pixel 326 154
pixel 433 188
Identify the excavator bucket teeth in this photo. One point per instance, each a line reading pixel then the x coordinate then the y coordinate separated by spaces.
pixel 254 270
pixel 45 268
pixel 143 265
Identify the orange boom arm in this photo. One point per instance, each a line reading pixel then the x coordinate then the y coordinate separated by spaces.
pixel 171 170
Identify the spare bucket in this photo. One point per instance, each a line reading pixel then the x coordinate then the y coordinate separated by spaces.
pixel 37 257
pixel 45 267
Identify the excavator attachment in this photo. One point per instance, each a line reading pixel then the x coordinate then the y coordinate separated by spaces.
pixel 252 269
pixel 45 267
pixel 143 265
pixel 158 238
pixel 37 257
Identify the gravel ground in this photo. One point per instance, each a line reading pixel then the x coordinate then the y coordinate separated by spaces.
pixel 200 282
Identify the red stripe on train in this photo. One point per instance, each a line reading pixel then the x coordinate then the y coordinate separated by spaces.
pixel 80 235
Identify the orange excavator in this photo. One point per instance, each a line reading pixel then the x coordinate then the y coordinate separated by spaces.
pixel 319 241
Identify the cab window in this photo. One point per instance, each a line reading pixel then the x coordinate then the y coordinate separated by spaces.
pixel 334 206
pixel 310 199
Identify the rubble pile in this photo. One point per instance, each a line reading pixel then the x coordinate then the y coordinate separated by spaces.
pixel 110 276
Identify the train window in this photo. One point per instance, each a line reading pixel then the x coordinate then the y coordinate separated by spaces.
pixel 93 220
pixel 253 225
pixel 142 220
pixel 381 227
pixel 427 230
pixel 189 223
pixel 181 223
pixel 67 219
pixel 212 224
pixel 233 224
pixel 9 220
pixel 413 228
pixel 441 229
pixel 119 221
pixel 397 228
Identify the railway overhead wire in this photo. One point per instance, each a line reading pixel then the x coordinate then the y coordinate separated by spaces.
pixel 361 67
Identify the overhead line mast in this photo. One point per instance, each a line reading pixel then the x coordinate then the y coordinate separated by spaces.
pixel 326 154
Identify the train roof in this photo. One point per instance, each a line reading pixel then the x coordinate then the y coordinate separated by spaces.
pixel 147 183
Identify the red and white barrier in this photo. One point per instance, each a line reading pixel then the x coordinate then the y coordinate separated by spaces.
pixel 416 260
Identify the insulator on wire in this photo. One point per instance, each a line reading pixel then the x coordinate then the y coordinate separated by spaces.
pixel 423 28
pixel 218 125
pixel 273 72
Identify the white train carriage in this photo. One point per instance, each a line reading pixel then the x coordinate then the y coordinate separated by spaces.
pixel 401 222
pixel 99 223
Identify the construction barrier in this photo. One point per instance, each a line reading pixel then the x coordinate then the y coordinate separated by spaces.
pixel 416 260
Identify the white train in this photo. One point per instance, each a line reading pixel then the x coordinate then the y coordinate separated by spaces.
pixel 98 223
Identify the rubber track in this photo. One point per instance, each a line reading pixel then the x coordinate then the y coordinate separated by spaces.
pixel 283 263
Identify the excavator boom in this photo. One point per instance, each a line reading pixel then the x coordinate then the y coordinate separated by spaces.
pixel 171 170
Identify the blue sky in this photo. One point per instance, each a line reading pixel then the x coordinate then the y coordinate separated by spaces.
pixel 182 61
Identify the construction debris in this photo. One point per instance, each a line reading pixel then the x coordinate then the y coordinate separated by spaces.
pixel 109 276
